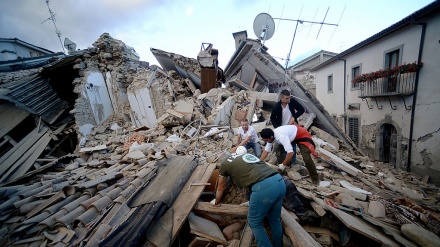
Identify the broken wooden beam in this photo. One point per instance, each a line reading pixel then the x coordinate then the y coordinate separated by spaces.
pixel 339 163
pixel 246 236
pixel 183 205
pixel 223 209
pixel 205 228
pixel 298 236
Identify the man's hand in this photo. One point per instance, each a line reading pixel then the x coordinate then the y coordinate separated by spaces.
pixel 292 120
pixel 233 150
pixel 213 202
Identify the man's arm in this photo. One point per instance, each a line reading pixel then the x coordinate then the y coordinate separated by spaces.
pixel 288 158
pixel 239 139
pixel 221 185
pixel 296 109
pixel 263 155
pixel 245 141
pixel 273 116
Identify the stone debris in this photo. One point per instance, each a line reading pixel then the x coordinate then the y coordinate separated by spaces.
pixel 131 120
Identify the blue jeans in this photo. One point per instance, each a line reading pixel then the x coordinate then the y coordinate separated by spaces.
pixel 267 200
pixel 255 146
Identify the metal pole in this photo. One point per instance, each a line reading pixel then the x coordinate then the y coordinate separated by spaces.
pixel 290 51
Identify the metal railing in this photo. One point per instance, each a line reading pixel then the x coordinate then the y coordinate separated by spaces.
pixel 398 85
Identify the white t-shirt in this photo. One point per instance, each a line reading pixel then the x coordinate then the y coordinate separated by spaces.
pixel 251 132
pixel 283 135
pixel 286 115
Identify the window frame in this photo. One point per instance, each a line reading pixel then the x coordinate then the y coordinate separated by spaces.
pixel 330 90
pixel 355 86
pixel 388 52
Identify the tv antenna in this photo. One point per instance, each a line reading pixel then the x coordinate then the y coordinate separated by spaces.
pixel 264 27
pixel 294 34
pixel 265 19
pixel 70 45
pixel 52 18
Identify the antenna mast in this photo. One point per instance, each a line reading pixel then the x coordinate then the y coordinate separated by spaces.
pixel 52 18
pixel 294 34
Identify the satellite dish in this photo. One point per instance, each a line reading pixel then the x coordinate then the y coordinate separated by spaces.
pixel 69 45
pixel 264 26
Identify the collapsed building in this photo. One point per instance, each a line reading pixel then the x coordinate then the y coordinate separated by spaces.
pixel 105 151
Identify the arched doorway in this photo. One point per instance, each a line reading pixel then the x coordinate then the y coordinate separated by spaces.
pixel 388 144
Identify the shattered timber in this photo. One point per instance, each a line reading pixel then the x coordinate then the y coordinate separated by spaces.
pixel 99 149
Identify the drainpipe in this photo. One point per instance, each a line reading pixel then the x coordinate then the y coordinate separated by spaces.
pixel 345 93
pixel 413 108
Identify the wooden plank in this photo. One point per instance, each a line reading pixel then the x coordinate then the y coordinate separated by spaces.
pixel 390 230
pixel 95 148
pixel 254 78
pixel 201 242
pixel 362 227
pixel 298 236
pixel 173 112
pixel 223 210
pixel 27 160
pixel 305 193
pixel 18 150
pixel 246 236
pixel 11 116
pixel 340 163
pixel 205 228
pixel 293 215
pixel 191 85
pixel 321 230
pixel 185 201
pixel 318 209
pixel 163 117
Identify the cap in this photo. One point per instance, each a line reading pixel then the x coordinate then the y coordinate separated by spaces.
pixel 241 150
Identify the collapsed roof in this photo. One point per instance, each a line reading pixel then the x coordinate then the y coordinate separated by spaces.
pixel 148 144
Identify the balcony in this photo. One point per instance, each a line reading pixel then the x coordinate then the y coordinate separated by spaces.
pixel 395 85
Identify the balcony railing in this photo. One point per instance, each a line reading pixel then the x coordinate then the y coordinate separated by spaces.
pixel 398 85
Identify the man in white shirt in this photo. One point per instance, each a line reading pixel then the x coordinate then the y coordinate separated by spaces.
pixel 287 136
pixel 247 137
pixel 285 112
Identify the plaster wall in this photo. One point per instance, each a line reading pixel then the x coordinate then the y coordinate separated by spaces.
pixel 426 139
pixel 97 94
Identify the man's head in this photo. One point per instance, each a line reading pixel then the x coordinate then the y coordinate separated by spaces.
pixel 285 97
pixel 267 135
pixel 244 123
pixel 240 150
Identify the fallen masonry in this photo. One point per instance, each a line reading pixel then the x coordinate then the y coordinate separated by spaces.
pixel 127 155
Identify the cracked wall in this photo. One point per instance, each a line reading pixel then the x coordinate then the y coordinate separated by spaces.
pixel 106 70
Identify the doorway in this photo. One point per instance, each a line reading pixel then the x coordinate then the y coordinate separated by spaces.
pixel 388 145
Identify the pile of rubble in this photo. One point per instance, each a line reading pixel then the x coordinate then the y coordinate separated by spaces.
pixel 131 182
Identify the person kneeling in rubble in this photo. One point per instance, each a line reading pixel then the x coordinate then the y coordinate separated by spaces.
pixel 266 199
pixel 248 137
pixel 289 135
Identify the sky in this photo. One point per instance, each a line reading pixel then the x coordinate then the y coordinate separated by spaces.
pixel 181 26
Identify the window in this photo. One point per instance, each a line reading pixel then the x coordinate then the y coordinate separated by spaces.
pixel 355 71
pixel 353 129
pixel 393 57
pixel 330 84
